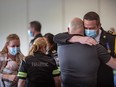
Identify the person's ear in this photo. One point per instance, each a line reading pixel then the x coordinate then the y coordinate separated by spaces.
pixel 99 26
pixel 32 29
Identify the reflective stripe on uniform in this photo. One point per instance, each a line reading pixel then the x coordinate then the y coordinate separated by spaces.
pixel 59 69
pixel 22 74
pixel 56 71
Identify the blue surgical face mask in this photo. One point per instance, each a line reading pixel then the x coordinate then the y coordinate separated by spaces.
pixel 13 50
pixel 30 33
pixel 90 33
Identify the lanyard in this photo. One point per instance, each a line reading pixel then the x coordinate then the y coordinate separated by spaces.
pixel 108 47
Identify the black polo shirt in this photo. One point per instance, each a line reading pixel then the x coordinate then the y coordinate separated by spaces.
pixel 79 64
pixel 37 36
pixel 39 69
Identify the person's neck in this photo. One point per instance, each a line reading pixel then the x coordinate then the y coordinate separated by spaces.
pixel 36 33
pixel 78 33
pixel 11 56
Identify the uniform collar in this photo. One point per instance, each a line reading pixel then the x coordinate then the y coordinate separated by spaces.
pixel 38 35
pixel 39 53
pixel 98 36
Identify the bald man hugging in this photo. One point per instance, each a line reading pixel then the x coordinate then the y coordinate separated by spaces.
pixel 80 61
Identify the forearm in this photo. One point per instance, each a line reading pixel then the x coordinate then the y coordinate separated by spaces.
pixel 62 38
pixel 57 81
pixel 9 77
pixel 21 83
pixel 75 39
pixel 112 63
pixel 83 40
pixel 5 76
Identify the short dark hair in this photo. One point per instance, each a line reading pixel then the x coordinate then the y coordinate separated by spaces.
pixel 36 25
pixel 92 16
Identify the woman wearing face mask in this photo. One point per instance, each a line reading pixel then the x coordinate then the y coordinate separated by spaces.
pixel 10 52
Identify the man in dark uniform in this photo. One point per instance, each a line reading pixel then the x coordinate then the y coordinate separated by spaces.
pixel 93 29
pixel 92 22
pixel 34 31
pixel 79 63
pixel 105 74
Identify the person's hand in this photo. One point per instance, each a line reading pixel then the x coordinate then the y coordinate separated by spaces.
pixel 10 77
pixel 83 40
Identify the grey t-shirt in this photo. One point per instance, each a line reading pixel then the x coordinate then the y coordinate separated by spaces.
pixel 79 64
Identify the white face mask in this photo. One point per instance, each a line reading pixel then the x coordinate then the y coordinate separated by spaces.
pixel 91 33
pixel 30 33
pixel 13 50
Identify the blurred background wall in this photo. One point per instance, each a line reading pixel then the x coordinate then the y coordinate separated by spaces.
pixel 54 16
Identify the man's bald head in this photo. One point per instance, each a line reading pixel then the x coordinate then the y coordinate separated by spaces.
pixel 76 26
